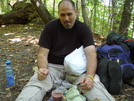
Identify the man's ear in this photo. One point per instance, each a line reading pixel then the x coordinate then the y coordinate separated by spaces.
pixel 76 11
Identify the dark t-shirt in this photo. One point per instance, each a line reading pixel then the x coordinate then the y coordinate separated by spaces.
pixel 61 41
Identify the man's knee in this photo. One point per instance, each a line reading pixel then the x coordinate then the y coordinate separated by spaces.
pixel 31 93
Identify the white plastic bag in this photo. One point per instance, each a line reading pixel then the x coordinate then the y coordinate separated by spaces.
pixel 75 62
pixel 74 95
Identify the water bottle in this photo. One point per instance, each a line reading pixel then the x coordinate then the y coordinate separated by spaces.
pixel 9 75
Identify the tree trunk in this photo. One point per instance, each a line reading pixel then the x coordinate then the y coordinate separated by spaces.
pixel 22 13
pixel 84 14
pixel 126 18
pixel 53 8
pixel 103 20
pixel 45 4
pixel 94 16
pixel 42 11
pixel 133 23
pixel 114 15
pixel 77 8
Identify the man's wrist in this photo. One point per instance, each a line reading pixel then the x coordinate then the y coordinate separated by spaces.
pixel 90 77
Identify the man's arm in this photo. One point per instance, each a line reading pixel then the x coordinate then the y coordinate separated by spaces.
pixel 87 82
pixel 42 63
pixel 91 60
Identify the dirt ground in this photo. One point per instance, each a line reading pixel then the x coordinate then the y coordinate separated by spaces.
pixel 18 43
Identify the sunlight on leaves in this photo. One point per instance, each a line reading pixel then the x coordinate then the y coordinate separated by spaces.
pixel 15 39
pixel 35 68
pixel 128 89
pixel 8 95
pixel 8 34
pixel 7 88
pixel 37 4
pixel 3 25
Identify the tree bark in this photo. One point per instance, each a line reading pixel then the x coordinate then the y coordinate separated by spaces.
pixel 94 16
pixel 133 26
pixel 42 11
pixel 22 13
pixel 126 17
pixel 53 8
pixel 77 8
pixel 84 14
pixel 114 15
pixel 45 4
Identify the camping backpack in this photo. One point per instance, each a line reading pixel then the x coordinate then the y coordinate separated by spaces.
pixel 126 40
pixel 118 52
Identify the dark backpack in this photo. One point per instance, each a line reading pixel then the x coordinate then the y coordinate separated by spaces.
pixel 126 40
pixel 120 53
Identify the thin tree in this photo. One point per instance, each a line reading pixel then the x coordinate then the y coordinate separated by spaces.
pixel 77 7
pixel 45 4
pixel 53 8
pixel 94 15
pixel 133 27
pixel 126 17
pixel 84 14
pixel 115 14
pixel 103 18
pixel 42 11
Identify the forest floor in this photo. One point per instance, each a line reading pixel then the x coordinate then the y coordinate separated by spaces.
pixel 18 43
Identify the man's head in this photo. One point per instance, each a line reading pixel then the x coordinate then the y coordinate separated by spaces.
pixel 67 13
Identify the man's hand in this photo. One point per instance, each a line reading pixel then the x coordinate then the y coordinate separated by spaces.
pixel 86 83
pixel 42 73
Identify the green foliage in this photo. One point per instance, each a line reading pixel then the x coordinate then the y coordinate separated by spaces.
pixel 4 6
pixel 50 7
pixel 103 18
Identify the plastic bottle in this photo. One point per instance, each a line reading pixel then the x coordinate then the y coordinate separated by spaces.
pixel 9 75
pixel 64 96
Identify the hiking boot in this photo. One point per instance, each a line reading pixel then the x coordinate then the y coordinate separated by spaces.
pixel 102 72
pixel 115 75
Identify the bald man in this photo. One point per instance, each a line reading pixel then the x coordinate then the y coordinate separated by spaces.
pixel 58 39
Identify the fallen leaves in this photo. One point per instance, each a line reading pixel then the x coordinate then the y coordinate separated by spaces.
pixel 21 48
pixel 23 55
pixel 35 68
pixel 128 89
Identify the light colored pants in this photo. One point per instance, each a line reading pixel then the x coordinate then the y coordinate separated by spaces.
pixel 35 90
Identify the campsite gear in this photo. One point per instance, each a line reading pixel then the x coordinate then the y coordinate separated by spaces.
pixel 126 40
pixel 75 62
pixel 121 54
pixel 9 74
pixel 110 74
pixel 115 77
pixel 57 95
pixel 73 94
pixel 115 50
pixel 97 92
pixel 102 72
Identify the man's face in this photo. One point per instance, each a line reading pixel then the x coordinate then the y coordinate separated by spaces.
pixel 67 14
